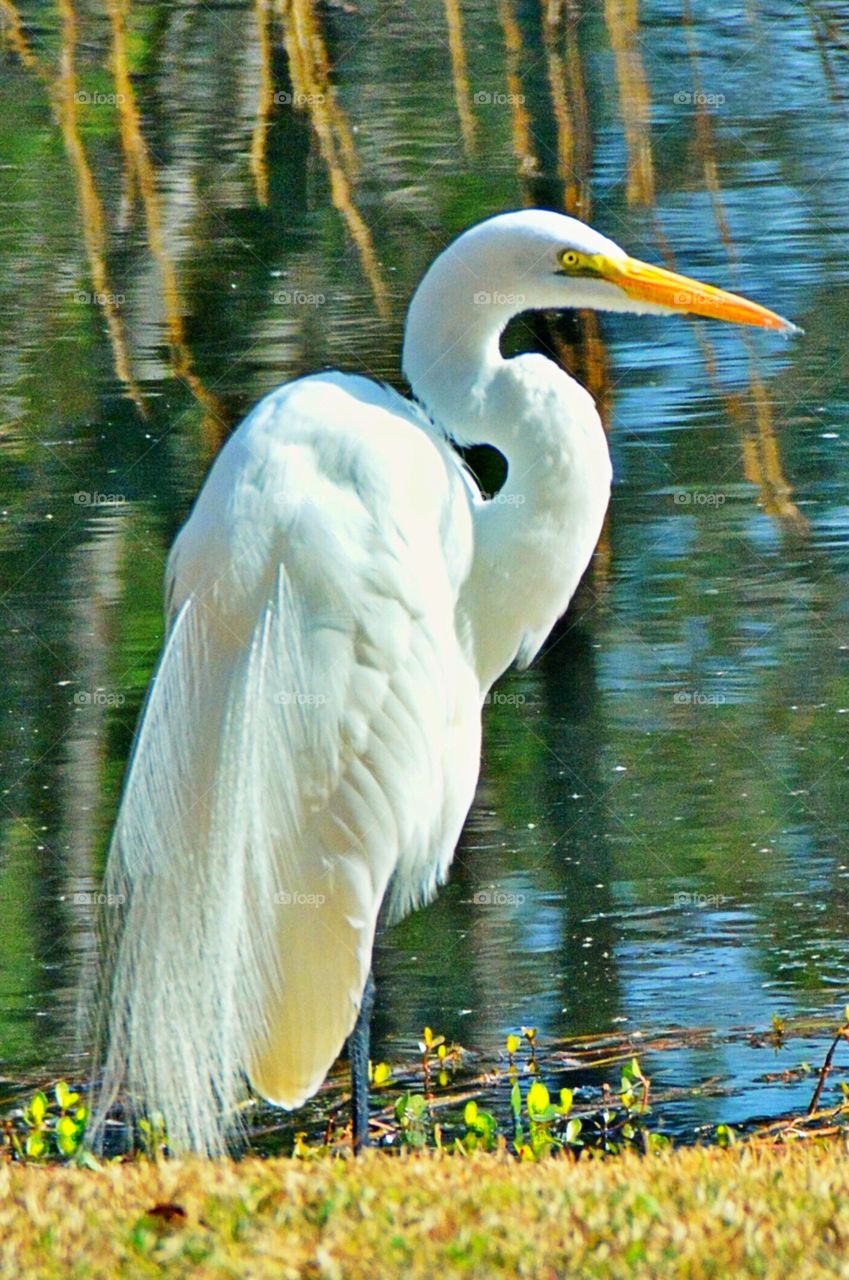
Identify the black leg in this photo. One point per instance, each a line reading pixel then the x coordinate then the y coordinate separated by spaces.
pixel 358 1055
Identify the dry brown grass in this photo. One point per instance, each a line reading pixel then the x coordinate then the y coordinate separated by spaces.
pixel 693 1213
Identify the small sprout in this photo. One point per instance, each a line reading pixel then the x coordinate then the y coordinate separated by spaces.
pixel 480 1127
pixel 60 1124
pixel 725 1135
pixel 530 1034
pixel 632 1076
pixel 429 1041
pixel 153 1134
pixel 513 1043
pixel 411 1115
pixel 302 1149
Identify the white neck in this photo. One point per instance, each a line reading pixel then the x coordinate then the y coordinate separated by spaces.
pixel 534 540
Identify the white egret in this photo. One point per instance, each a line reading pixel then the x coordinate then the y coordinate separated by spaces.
pixel 339 602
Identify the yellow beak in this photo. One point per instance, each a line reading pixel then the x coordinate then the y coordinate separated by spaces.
pixel 646 283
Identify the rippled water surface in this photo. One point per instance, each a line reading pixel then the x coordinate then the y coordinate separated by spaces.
pixel 659 842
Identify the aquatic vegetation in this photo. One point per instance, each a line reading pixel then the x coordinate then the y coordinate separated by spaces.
pixel 437 1102
pixel 49 1126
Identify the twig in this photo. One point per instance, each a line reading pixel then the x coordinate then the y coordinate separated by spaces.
pixel 843 1034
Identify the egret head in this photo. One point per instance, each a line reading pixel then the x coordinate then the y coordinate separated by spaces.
pixel 533 260
pixel 538 260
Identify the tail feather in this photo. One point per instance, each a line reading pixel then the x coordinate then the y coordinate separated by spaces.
pixel 229 934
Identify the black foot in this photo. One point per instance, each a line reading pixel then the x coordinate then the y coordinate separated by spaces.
pixel 358 1055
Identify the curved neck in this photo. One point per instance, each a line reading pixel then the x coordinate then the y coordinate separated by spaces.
pixel 451 350
pixel 534 540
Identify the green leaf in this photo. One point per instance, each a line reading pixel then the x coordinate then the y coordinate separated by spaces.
pixel 573 1131
pixel 381 1074
pixel 566 1097
pixel 36 1111
pixel 470 1114
pixel 401 1107
pixel 538 1100
pixel 513 1043
pixel 65 1098
pixel 35 1146
pixel 430 1041
pixel 516 1101
pixel 631 1073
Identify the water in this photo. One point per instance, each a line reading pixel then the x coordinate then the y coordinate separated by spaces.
pixel 658 846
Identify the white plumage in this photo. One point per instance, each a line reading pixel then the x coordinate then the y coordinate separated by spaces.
pixel 339 602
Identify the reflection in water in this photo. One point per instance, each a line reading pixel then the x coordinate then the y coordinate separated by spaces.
pixel 623 24
pixel 460 76
pixel 310 72
pixel 13 33
pixel 520 120
pixel 264 101
pixel 92 217
pixel 761 457
pixel 142 177
pixel 661 824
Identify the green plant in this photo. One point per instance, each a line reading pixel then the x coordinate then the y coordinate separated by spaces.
pixel 153 1135
pixel 546 1132
pixel 411 1115
pixel 481 1128
pixel 54 1125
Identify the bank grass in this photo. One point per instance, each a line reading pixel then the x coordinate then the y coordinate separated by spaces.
pixel 692 1212
pixel 452 1189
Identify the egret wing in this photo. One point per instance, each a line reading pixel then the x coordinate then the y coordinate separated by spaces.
pixel 311 738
